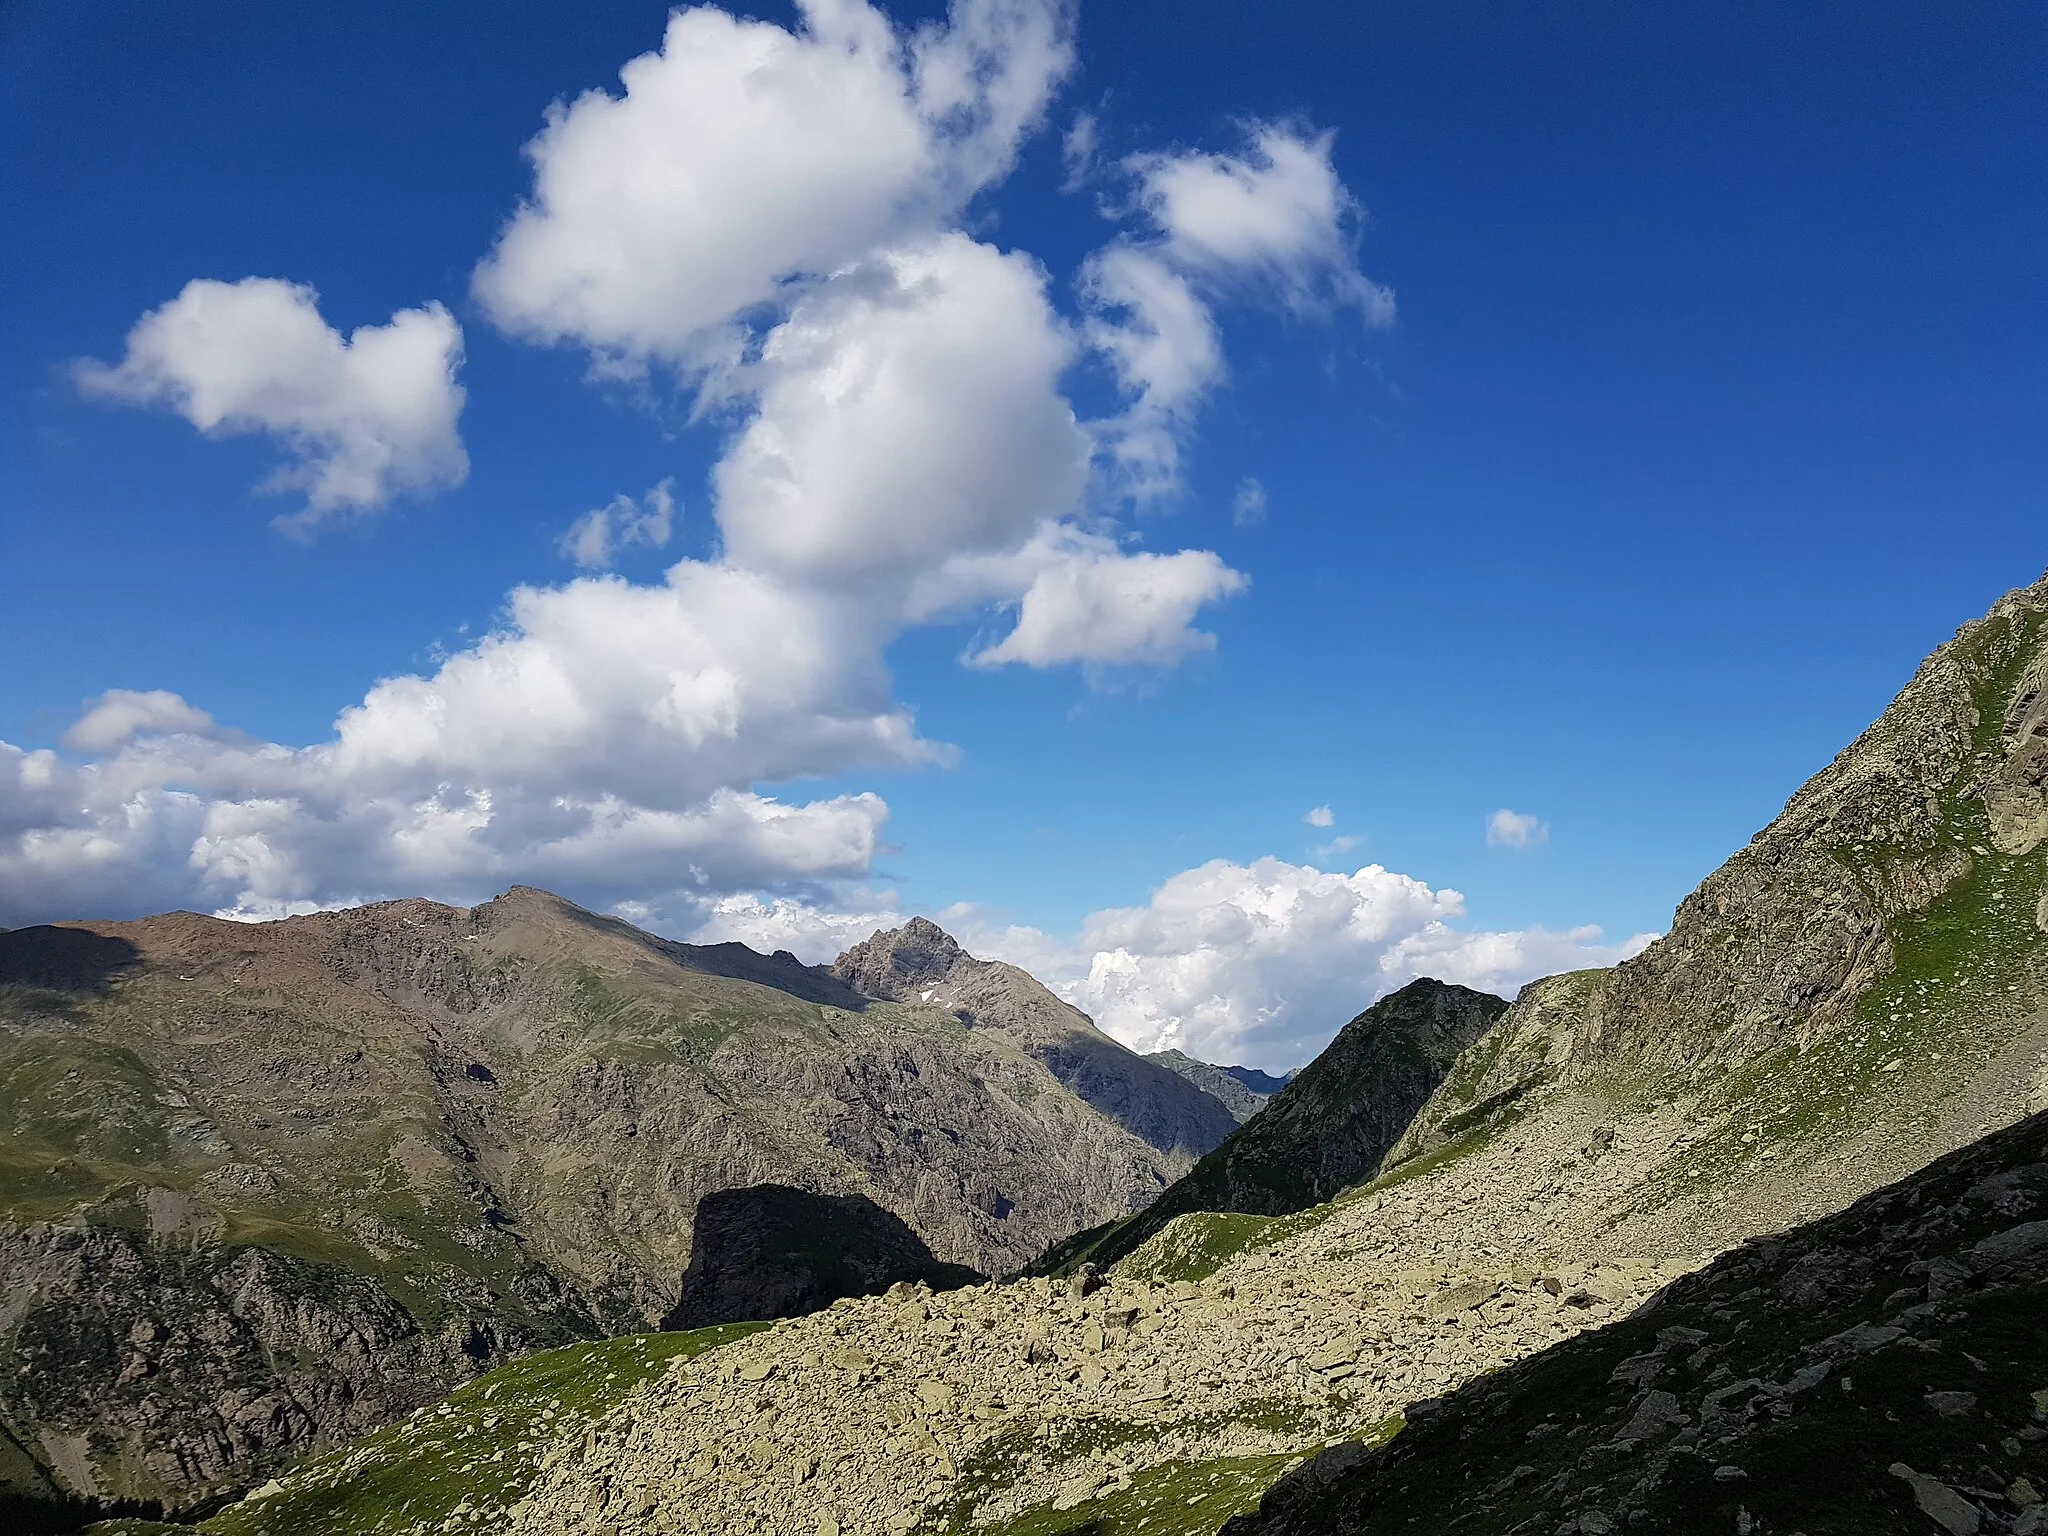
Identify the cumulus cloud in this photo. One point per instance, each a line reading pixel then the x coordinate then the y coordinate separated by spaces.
pixel 596 538
pixel 1263 962
pixel 364 416
pixel 1248 506
pixel 742 157
pixel 908 412
pixel 1272 225
pixel 1514 829
pixel 1321 816
pixel 1094 604
pixel 122 713
pixel 1276 214
pixel 604 739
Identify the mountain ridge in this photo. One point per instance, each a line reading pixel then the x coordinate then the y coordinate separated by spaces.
pixel 396 1144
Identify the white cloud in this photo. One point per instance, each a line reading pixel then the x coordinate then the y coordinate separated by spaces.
pixel 1513 829
pixel 365 416
pixel 908 412
pixel 1248 506
pixel 1272 225
pixel 1276 215
pixel 1078 147
pixel 596 537
pixel 1092 603
pixel 1321 816
pixel 742 156
pixel 1162 344
pixel 605 740
pixel 1263 962
pixel 121 713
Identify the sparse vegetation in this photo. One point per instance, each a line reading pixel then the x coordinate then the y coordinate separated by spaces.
pixel 458 1466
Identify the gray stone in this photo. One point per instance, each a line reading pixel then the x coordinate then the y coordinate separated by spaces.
pixel 1939 1502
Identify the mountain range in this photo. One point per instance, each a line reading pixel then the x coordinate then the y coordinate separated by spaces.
pixel 266 1187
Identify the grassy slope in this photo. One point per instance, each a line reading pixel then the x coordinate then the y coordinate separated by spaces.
pixel 1967 972
pixel 470 1457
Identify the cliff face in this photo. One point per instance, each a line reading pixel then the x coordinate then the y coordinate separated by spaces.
pixel 263 1187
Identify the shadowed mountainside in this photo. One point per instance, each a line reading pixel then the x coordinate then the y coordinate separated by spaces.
pixel 1329 1128
pixel 1878 1371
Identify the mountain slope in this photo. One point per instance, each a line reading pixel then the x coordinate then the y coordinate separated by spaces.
pixel 920 962
pixel 1329 1128
pixel 264 1187
pixel 1791 1385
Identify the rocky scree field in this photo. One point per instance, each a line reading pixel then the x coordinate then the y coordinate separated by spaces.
pixel 1884 1370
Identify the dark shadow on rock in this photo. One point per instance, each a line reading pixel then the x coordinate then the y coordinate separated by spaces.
pixel 1155 1104
pixel 771 1251
pixel 64 959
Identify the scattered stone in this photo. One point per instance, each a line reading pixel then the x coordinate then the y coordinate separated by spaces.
pixel 1939 1502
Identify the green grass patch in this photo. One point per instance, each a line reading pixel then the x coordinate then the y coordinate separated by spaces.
pixel 1173 1498
pixel 471 1457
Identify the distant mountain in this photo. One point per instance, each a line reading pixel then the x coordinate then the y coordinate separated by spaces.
pixel 919 963
pixel 265 1187
pixel 1261 1083
pixel 1329 1128
pixel 1222 1084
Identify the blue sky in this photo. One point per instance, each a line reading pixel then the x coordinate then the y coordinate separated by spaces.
pixel 1710 400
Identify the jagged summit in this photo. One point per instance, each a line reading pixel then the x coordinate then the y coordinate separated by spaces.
pixel 895 961
pixel 922 963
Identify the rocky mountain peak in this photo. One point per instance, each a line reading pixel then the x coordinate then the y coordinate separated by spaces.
pixel 897 961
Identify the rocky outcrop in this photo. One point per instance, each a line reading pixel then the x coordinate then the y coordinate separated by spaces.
pixel 1223 1084
pixel 134 1366
pixel 1330 1127
pixel 920 962
pixel 499 1121
pixel 771 1251
pixel 1879 1370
